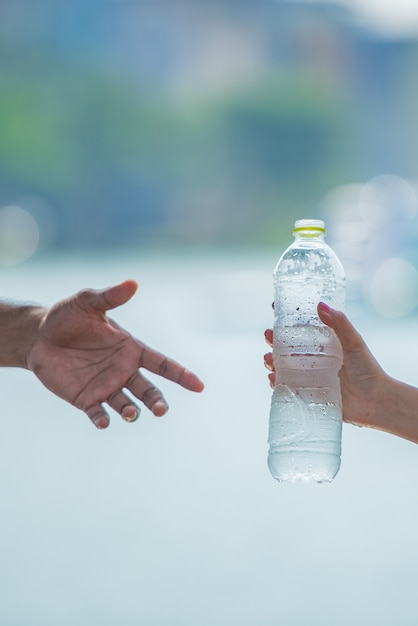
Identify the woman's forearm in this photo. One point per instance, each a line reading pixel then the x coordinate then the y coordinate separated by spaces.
pixel 396 410
pixel 18 327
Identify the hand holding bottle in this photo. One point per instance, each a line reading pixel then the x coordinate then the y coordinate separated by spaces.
pixel 370 397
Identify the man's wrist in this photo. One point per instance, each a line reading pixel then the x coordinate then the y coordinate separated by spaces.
pixel 19 326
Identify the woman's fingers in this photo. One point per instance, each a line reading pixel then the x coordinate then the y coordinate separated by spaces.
pixel 268 358
pixel 350 339
pixel 268 334
pixel 268 361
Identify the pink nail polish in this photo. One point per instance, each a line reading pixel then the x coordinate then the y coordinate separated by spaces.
pixel 324 306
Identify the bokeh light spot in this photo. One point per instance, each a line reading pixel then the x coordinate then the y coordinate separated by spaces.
pixel 19 235
pixel 386 196
pixel 394 288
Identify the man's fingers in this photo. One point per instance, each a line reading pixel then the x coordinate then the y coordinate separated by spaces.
pixel 163 366
pixel 98 416
pixel 123 405
pixel 190 381
pixel 106 299
pixel 119 294
pixel 145 391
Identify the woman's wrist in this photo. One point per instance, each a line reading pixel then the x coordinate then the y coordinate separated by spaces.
pixel 396 409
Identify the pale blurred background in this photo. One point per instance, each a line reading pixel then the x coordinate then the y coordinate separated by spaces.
pixel 176 142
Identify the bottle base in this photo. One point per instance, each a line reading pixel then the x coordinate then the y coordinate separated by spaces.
pixel 305 479
pixel 300 469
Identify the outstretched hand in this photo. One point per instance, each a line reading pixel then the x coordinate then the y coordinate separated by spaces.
pixel 84 357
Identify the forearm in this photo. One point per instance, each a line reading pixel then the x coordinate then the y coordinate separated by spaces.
pixel 18 327
pixel 397 410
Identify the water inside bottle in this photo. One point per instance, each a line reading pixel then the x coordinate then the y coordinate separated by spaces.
pixel 305 415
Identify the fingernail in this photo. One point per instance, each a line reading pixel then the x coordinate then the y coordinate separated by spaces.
pixel 130 413
pixel 159 409
pixel 325 307
pixel 326 312
pixel 100 423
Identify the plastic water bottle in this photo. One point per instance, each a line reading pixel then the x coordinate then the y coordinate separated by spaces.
pixel 306 415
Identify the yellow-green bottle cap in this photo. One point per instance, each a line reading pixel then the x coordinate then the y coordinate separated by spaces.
pixel 309 225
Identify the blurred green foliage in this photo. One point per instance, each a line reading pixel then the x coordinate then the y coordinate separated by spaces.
pixel 86 141
pixel 195 123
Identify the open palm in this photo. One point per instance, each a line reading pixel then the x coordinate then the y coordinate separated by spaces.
pixel 84 357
